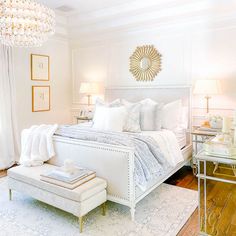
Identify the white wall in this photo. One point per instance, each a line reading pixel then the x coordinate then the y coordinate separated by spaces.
pixel 186 56
pixel 60 82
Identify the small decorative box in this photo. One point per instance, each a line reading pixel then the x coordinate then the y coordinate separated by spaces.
pixel 219 148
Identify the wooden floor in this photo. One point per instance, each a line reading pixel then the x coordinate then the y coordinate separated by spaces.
pixel 3 173
pixel 221 205
pixel 221 201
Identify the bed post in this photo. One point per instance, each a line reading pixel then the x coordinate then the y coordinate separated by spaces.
pixel 132 186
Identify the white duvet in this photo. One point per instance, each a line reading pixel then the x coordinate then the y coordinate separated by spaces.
pixel 168 144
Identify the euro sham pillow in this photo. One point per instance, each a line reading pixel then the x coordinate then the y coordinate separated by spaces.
pixel 151 117
pixel 132 121
pixel 109 118
pixel 115 103
pixel 150 114
pixel 171 115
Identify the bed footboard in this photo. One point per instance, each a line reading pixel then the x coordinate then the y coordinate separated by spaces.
pixel 113 163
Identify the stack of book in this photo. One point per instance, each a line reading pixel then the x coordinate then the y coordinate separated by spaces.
pixel 60 177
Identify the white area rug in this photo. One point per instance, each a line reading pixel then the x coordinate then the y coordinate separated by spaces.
pixel 161 213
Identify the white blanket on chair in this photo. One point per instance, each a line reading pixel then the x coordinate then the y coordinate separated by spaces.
pixel 37 145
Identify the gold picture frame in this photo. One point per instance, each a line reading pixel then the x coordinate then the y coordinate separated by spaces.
pixel 41 98
pixel 145 63
pixel 40 67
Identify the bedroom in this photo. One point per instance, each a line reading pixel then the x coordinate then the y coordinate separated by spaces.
pixel 132 60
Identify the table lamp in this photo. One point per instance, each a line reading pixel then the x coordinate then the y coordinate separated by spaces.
pixel 89 88
pixel 207 87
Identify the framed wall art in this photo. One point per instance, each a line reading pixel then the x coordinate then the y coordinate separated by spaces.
pixel 40 67
pixel 40 98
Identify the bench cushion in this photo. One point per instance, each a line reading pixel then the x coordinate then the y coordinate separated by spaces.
pixel 31 175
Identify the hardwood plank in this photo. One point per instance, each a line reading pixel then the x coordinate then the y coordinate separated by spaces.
pixel 3 173
pixel 221 204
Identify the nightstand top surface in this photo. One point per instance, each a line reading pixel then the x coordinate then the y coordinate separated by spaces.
pixel 83 118
pixel 203 132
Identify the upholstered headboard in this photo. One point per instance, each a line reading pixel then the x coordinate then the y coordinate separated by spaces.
pixel 158 94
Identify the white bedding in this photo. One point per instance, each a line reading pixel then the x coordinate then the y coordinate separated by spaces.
pixel 171 152
pixel 162 137
pixel 180 134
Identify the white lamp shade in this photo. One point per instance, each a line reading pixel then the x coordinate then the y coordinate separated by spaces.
pixel 207 87
pixel 89 88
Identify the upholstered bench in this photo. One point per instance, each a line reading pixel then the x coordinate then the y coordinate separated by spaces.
pixel 78 201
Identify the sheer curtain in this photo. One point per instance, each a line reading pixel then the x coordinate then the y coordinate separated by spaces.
pixel 9 146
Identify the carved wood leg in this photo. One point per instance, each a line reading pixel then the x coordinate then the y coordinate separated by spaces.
pixel 81 224
pixel 132 212
pixel 10 195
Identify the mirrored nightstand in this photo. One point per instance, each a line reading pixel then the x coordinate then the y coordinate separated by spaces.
pixel 198 138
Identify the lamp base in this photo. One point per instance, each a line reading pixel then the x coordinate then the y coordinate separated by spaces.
pixel 207 103
pixel 89 100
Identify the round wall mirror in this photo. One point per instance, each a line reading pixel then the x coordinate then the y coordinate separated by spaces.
pixel 145 63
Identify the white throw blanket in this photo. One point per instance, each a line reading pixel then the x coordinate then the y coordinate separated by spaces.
pixel 37 145
pixel 168 144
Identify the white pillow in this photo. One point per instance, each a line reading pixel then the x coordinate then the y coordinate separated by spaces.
pixel 109 118
pixel 132 121
pixel 171 114
pixel 115 103
pixel 184 118
pixel 150 114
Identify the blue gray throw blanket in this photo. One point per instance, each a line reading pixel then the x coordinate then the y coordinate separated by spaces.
pixel 149 160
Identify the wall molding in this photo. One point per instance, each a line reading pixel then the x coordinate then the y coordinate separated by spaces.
pixel 148 87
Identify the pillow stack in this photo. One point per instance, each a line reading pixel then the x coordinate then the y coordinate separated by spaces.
pixel 150 114
pixel 146 115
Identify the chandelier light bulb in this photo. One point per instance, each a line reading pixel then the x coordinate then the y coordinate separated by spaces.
pixel 25 23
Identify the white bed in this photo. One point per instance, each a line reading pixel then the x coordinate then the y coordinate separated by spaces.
pixel 116 163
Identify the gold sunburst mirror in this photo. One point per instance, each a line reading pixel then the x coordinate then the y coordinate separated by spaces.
pixel 145 63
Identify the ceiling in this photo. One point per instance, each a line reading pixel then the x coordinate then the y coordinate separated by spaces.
pixel 81 6
pixel 84 19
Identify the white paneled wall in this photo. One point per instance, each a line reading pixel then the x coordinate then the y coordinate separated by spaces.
pixel 207 54
pixel 60 83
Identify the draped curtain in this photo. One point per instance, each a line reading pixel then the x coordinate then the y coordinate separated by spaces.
pixel 9 146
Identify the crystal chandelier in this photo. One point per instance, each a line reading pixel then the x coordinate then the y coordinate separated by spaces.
pixel 25 23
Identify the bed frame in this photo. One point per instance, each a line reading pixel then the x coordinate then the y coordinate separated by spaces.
pixel 116 163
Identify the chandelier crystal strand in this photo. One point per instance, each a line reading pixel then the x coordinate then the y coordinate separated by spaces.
pixel 25 23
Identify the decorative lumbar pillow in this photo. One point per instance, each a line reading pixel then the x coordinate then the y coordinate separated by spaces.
pixel 171 114
pixel 132 121
pixel 109 118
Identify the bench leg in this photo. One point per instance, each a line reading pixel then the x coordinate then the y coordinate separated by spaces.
pixel 81 224
pixel 10 195
pixel 103 209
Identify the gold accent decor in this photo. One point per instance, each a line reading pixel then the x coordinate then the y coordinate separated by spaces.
pixel 41 98
pixel 145 63
pixel 104 209
pixel 81 224
pixel 40 67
